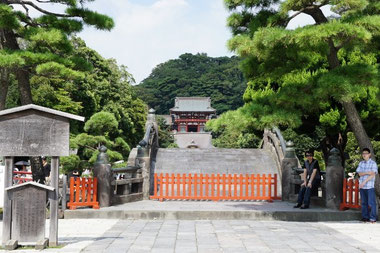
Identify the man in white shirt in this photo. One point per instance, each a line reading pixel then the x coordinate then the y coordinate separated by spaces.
pixel 367 171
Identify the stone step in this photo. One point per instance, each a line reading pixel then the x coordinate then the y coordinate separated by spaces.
pixel 210 210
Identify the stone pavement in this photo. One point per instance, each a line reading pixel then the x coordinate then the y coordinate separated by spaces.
pixel 215 236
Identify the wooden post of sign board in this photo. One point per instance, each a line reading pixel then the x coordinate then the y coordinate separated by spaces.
pixel 7 217
pixel 53 233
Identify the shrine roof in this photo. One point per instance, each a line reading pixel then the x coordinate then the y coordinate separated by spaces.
pixel 41 109
pixel 192 104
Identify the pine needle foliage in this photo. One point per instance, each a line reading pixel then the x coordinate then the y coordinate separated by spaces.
pixel 329 69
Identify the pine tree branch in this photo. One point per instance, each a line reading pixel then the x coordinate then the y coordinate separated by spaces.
pixel 28 20
pixel 307 10
pixel 344 43
pixel 21 2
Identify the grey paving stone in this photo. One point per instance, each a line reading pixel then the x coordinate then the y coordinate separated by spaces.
pixel 234 249
pixel 185 243
pixel 223 236
pixel 209 250
pixel 162 250
pixel 139 248
pixel 117 249
pixel 185 249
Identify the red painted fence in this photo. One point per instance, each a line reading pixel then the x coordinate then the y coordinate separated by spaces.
pixel 20 177
pixel 351 194
pixel 215 187
pixel 83 192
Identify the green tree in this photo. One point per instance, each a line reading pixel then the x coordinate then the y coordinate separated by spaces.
pixel 35 45
pixel 327 69
pixel 165 135
pixel 234 129
pixel 100 129
pixel 105 87
pixel 115 116
pixel 194 75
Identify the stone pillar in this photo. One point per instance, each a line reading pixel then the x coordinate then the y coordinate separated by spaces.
pixel 334 180
pixel 288 163
pixel 102 171
pixel 143 160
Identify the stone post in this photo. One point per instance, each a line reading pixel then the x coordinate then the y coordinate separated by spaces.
pixel 288 163
pixel 143 160
pixel 334 180
pixel 102 171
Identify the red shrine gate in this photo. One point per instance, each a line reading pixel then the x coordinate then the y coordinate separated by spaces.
pixel 190 114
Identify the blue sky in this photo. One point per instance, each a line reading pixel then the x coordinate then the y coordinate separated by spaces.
pixel 149 32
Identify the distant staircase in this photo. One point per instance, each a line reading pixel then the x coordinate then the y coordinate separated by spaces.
pixel 216 161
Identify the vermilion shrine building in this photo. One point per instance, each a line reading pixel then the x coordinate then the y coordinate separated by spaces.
pixel 190 114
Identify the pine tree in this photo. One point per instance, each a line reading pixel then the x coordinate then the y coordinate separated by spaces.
pixel 324 68
pixel 36 44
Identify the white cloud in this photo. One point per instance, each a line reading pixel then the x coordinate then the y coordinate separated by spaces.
pixel 148 34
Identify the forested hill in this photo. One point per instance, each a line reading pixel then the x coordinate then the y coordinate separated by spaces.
pixel 194 75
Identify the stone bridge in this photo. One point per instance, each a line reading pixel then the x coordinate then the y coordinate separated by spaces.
pixel 264 160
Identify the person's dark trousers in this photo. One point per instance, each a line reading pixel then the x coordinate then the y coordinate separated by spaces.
pixel 368 199
pixel 305 193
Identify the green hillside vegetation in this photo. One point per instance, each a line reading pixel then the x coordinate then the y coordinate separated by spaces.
pixel 194 75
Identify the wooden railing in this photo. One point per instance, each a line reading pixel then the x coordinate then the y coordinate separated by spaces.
pixel 83 192
pixel 351 194
pixel 215 187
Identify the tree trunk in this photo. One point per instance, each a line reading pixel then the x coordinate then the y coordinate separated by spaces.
pixel 37 169
pixel 4 79
pixel 8 41
pixel 356 126
pixel 22 76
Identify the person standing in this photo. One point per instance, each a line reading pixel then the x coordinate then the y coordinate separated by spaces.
pixel 46 167
pixel 367 171
pixel 311 178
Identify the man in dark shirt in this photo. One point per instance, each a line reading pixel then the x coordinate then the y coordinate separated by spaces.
pixel 311 180
pixel 46 167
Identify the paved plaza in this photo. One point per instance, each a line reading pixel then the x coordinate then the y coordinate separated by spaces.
pixel 96 235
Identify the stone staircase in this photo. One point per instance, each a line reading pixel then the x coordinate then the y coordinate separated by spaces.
pixel 215 160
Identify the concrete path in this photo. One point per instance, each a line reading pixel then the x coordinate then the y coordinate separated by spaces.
pixel 215 236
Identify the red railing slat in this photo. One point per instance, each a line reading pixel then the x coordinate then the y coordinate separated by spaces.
pixel 351 194
pixel 215 187
pixel 83 192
